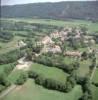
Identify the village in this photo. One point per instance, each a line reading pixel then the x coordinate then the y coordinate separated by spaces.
pixel 53 42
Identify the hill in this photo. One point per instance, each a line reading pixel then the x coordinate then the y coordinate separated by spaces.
pixel 60 10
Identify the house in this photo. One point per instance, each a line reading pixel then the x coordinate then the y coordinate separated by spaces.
pixel 56 49
pixel 47 40
pixel 21 43
pixel 73 53
pixel 52 49
pixel 55 34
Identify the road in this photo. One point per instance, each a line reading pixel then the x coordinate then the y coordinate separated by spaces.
pixel 7 91
pixel 93 73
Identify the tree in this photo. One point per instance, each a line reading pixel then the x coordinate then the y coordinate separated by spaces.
pixel 22 78
pixel 84 55
pixel 3 80
pixel 84 30
pixel 29 53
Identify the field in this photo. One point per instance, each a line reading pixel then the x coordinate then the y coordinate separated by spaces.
pixel 50 72
pixel 31 91
pixel 91 26
pixel 2 67
pixel 12 45
pixel 95 78
pixel 95 92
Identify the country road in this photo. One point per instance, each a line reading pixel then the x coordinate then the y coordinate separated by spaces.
pixel 20 66
pixel 7 91
pixel 93 73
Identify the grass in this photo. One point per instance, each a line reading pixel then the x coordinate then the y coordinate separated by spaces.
pixel 84 68
pixel 49 72
pixel 84 65
pixel 2 67
pixel 91 26
pixel 14 75
pixel 31 91
pixel 12 45
pixel 95 92
pixel 95 77
pixel 68 60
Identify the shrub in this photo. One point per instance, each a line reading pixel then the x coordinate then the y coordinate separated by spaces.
pixel 22 79
pixel 32 74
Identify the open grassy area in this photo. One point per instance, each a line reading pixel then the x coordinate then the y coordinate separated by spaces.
pixel 84 68
pixel 49 72
pixel 95 92
pixel 31 91
pixel 14 75
pixel 12 45
pixel 91 26
pixel 2 67
pixel 95 77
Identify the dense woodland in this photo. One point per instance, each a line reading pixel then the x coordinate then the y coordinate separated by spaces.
pixel 61 10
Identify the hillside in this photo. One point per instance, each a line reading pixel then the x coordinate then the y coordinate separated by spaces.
pixel 60 10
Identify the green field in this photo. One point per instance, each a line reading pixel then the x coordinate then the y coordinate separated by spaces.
pixel 84 68
pixel 31 91
pixel 9 46
pixel 50 72
pixel 95 92
pixel 14 75
pixel 95 78
pixel 91 26
pixel 2 67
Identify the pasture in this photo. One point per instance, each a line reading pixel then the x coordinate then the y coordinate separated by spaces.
pixel 92 27
pixel 31 91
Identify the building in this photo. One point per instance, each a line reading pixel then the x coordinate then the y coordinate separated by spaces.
pixel 73 53
pixel 47 40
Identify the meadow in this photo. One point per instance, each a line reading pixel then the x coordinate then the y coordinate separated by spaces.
pixel 31 91
pixel 92 27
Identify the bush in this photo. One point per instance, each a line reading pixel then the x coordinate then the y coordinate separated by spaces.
pixel 50 83
pixel 47 82
pixel 55 62
pixel 11 56
pixel 22 79
pixel 4 83
pixel 32 74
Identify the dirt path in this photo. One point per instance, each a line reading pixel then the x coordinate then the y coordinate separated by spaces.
pixel 23 64
pixel 7 91
pixel 93 73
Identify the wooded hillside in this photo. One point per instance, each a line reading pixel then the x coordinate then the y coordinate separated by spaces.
pixel 60 10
